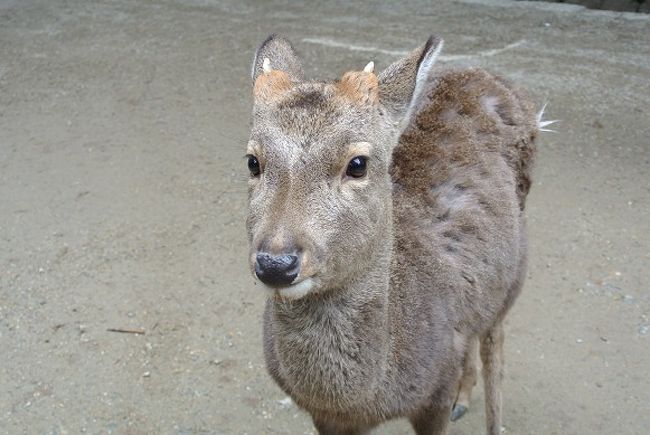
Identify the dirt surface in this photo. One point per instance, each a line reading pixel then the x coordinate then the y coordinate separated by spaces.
pixel 122 203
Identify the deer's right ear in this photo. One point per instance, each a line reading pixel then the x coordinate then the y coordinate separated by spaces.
pixel 275 67
pixel 402 85
pixel 281 56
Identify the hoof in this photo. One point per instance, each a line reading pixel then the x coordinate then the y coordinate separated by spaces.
pixel 458 412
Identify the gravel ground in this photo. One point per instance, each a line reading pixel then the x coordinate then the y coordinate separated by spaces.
pixel 122 202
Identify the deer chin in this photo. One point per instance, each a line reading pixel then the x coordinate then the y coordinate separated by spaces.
pixel 295 291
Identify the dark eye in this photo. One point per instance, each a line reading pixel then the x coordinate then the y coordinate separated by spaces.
pixel 253 165
pixel 357 167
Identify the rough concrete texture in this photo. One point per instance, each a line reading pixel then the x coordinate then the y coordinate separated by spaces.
pixel 122 202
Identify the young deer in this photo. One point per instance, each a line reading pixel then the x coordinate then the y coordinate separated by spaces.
pixel 386 220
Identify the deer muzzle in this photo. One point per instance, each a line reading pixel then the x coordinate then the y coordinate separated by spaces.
pixel 277 270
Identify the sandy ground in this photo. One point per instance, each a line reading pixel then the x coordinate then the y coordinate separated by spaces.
pixel 122 202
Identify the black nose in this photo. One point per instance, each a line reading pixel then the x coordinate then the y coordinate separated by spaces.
pixel 277 270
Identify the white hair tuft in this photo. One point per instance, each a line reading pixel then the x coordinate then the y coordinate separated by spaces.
pixel 542 124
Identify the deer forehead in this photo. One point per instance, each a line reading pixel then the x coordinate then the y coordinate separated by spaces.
pixel 312 114
pixel 355 92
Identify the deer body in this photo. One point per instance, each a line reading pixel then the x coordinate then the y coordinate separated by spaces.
pixel 401 270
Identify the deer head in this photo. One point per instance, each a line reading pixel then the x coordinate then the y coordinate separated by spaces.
pixel 320 207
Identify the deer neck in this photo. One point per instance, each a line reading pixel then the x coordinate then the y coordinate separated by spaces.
pixel 333 349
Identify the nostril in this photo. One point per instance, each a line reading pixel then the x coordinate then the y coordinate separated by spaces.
pixel 277 270
pixel 291 261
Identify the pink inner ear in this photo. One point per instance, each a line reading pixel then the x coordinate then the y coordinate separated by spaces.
pixel 359 87
pixel 270 86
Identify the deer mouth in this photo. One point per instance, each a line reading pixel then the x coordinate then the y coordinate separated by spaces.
pixel 296 290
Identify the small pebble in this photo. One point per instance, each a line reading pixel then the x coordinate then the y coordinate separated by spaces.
pixel 579 340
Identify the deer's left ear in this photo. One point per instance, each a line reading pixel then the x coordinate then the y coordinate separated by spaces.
pixel 402 85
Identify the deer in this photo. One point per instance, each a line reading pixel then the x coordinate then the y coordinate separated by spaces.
pixel 386 225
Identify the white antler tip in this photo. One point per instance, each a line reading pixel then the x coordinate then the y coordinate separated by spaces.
pixel 266 65
pixel 370 67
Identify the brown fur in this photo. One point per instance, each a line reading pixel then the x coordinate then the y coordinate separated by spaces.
pixel 271 86
pixel 409 266
pixel 359 87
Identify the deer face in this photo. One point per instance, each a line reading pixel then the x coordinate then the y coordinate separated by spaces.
pixel 318 157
